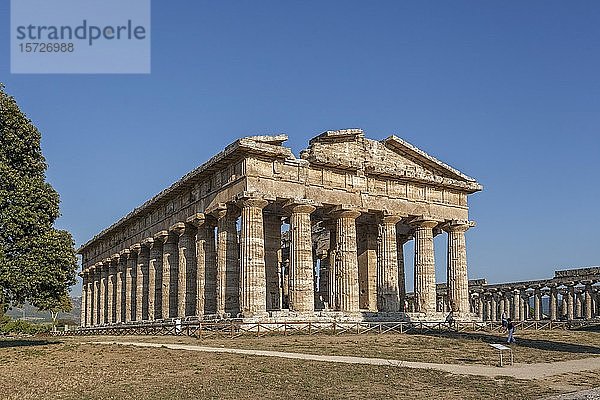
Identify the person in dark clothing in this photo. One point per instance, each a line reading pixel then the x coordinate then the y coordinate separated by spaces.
pixel 511 331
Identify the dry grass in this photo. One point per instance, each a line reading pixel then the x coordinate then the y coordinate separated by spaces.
pixel 63 369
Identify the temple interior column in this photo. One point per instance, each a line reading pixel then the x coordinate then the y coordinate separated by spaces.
pixel 401 239
pixel 425 291
pixel 458 281
pixel 366 247
pixel 252 258
pixel 272 227
pixel 301 279
pixel 388 292
pixel 347 260
pixel 333 280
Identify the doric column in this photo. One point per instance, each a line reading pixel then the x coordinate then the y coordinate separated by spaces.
pixel 154 273
pixel 578 305
pixel 347 260
pixel 333 297
pixel 493 308
pixel 118 291
pixel 84 295
pixel 522 307
pixel 98 299
pixel 537 304
pixel 186 269
pixel 161 309
pixel 111 292
pixel 388 291
pixel 588 299
pixel 516 304
pixel 169 278
pixel 425 267
pixel 458 281
pixel 570 301
pixel 401 239
pixel 253 299
pixel 206 268
pixel 553 302
pixel 228 272
pixel 122 285
pixel 272 224
pixel 130 286
pixel 89 302
pixel 502 305
pixel 141 258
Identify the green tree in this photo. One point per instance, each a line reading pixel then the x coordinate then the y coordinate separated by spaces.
pixel 37 261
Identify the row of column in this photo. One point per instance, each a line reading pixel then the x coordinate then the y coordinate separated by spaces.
pixel 517 305
pixel 188 270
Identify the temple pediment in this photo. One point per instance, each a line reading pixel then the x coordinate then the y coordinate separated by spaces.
pixel 348 149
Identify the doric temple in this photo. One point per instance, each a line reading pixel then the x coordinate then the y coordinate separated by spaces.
pixel 259 234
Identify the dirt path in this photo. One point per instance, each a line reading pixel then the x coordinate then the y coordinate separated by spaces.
pixel 519 371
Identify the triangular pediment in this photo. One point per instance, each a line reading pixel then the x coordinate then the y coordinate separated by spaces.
pixel 394 157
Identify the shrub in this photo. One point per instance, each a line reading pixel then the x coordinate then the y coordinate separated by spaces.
pixel 23 327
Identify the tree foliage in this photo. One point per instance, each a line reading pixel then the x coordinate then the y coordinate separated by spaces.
pixel 37 261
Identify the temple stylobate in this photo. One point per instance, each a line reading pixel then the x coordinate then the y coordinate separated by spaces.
pixel 259 234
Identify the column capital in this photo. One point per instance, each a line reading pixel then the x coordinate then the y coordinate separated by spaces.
pixel 252 202
pixel 222 210
pixel 458 226
pixel 106 262
pixel 161 236
pixel 425 223
pixel 115 258
pixel 302 206
pixel 136 248
pixel 387 217
pixel 179 228
pixel 344 211
pixel 124 254
pixel 200 219
pixel 148 242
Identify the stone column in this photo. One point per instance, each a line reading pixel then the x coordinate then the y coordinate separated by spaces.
pixel 588 300
pixel 570 301
pixel 493 308
pixel 388 291
pixel 578 305
pixel 537 304
pixel 84 296
pixel 130 286
pixel 98 299
pixel 104 292
pixel 347 260
pixel 186 271
pixel 272 226
pixel 401 239
pixel 161 309
pixel 522 305
pixel 333 278
pixel 553 302
pixel 253 285
pixel 301 279
pixel 118 290
pixel 228 272
pixel 516 304
pixel 154 274
pixel 458 281
pixel 502 306
pixel 111 291
pixel 170 258
pixel 425 267
pixel 206 268
pixel 142 259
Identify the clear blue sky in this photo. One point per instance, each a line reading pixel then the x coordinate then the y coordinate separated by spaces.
pixel 505 92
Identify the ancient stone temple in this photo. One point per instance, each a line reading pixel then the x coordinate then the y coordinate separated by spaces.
pixel 257 233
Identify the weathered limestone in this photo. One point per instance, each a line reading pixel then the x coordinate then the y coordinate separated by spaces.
pixel 388 291
pixel 302 295
pixel 570 301
pixel 537 304
pixel 401 239
pixel 228 271
pixel 346 260
pixel 105 298
pixel 206 269
pixel 118 288
pixel 253 300
pixel 588 300
pixel 170 260
pixel 272 227
pixel 99 299
pixel 187 266
pixel 424 267
pixel 458 281
pixel 130 286
pixel 154 273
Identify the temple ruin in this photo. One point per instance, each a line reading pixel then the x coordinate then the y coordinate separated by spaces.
pixel 260 234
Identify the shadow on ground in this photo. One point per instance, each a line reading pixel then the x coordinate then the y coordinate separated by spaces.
pixel 10 342
pixel 548 345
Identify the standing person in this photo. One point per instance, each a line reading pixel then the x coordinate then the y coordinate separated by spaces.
pixel 503 319
pixel 511 331
pixel 450 319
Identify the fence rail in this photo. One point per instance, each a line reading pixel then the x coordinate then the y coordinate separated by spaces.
pixel 233 328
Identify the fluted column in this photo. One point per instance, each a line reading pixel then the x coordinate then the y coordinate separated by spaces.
pixel 570 301
pixel 502 306
pixel 578 305
pixel 136 250
pixel 118 290
pixel 111 291
pixel 170 258
pixel 84 297
pixel 228 271
pixel 186 268
pixel 272 224
pixel 401 239
pixel 388 291
pixel 346 260
pixel 458 281
pixel 98 295
pixel 425 268
pixel 206 268
pixel 516 304
pixel 154 274
pixel 130 286
pixel 493 308
pixel 253 299
pixel 333 280
pixel 301 279
pixel 553 302
pixel 537 304
pixel 142 283
pixel 588 300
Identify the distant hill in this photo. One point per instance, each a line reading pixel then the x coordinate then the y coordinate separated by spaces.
pixel 31 313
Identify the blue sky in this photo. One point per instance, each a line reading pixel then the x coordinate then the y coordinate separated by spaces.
pixel 508 93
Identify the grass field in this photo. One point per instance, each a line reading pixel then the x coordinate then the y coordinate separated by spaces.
pixel 68 369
